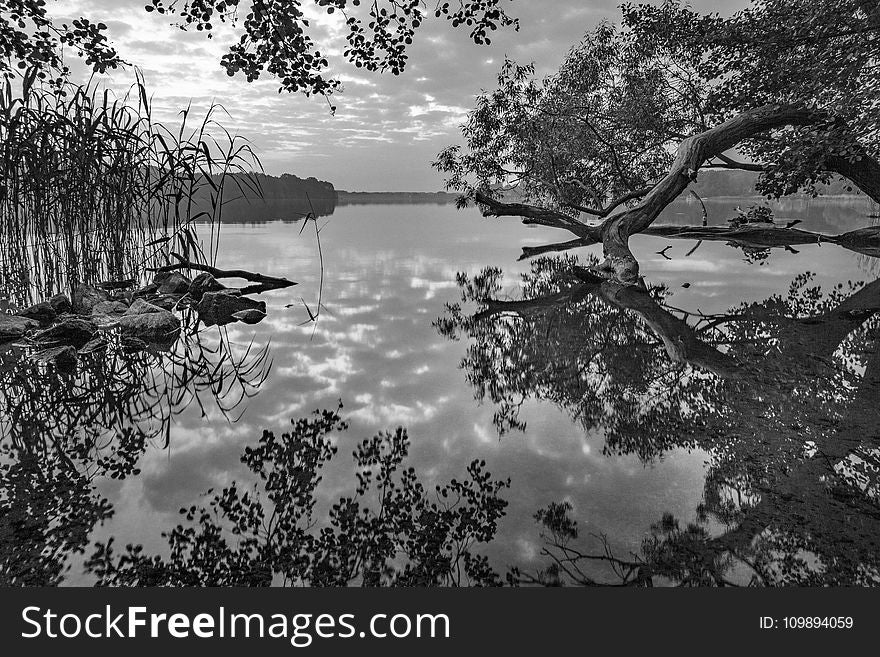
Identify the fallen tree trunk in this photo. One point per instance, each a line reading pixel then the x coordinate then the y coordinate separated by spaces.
pixel 264 283
pixel 757 236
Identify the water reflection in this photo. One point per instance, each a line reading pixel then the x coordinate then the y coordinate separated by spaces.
pixel 750 387
pixel 781 394
pixel 262 210
pixel 63 429
pixel 390 531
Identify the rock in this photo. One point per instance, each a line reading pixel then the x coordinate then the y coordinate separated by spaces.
pixel 13 327
pixel 166 302
pixel 86 297
pixel 45 312
pixel 123 296
pixel 250 316
pixel 202 283
pixel 109 308
pixel 106 313
pixel 69 330
pixel 220 307
pixel 42 312
pixel 158 326
pixel 117 285
pixel 60 304
pixel 141 307
pixel 62 357
pixel 171 282
pixel 105 322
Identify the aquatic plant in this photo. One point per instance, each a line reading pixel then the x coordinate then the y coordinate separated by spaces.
pixel 93 187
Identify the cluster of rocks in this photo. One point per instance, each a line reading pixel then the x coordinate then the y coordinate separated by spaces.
pixel 61 328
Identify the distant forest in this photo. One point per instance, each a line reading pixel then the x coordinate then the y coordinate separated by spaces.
pixel 290 198
pixel 360 198
pixel 713 182
pixel 286 198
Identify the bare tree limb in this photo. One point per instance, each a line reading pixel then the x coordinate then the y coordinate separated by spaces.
pixel 532 214
pixel 265 282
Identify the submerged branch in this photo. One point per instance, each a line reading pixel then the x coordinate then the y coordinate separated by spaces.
pixel 865 241
pixel 264 282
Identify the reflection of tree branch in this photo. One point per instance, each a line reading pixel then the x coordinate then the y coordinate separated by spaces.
pixel 865 241
pixel 787 402
pixel 679 339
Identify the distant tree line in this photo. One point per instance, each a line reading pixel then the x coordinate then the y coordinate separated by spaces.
pixel 288 186
pixel 742 183
pixel 257 197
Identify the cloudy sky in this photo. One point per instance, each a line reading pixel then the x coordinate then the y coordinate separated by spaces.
pixel 387 129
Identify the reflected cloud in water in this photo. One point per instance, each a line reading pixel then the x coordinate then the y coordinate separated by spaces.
pixel 389 271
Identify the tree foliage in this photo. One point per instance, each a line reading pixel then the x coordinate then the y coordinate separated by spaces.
pixel 276 36
pixel 30 39
pixel 597 130
pixel 602 131
pixel 819 55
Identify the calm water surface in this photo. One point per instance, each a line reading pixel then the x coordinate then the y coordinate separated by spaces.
pixel 389 272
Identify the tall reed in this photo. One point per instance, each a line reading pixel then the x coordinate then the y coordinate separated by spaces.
pixel 92 187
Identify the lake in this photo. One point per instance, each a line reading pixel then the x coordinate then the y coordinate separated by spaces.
pixel 385 344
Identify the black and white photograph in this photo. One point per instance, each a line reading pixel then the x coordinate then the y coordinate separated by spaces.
pixel 429 295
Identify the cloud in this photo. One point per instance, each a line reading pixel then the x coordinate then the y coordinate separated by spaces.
pixel 387 129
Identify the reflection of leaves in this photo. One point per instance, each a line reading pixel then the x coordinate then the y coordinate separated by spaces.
pixel 562 343
pixel 389 532
pixel 754 255
pixel 47 511
pixel 555 519
pixel 780 393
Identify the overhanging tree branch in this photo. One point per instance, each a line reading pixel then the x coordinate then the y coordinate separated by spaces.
pixel 692 153
pixel 690 156
pixel 532 214
pixel 745 166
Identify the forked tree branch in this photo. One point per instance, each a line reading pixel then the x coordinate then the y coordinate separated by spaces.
pixel 621 265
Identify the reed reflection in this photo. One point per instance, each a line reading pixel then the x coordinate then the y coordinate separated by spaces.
pixel 61 429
